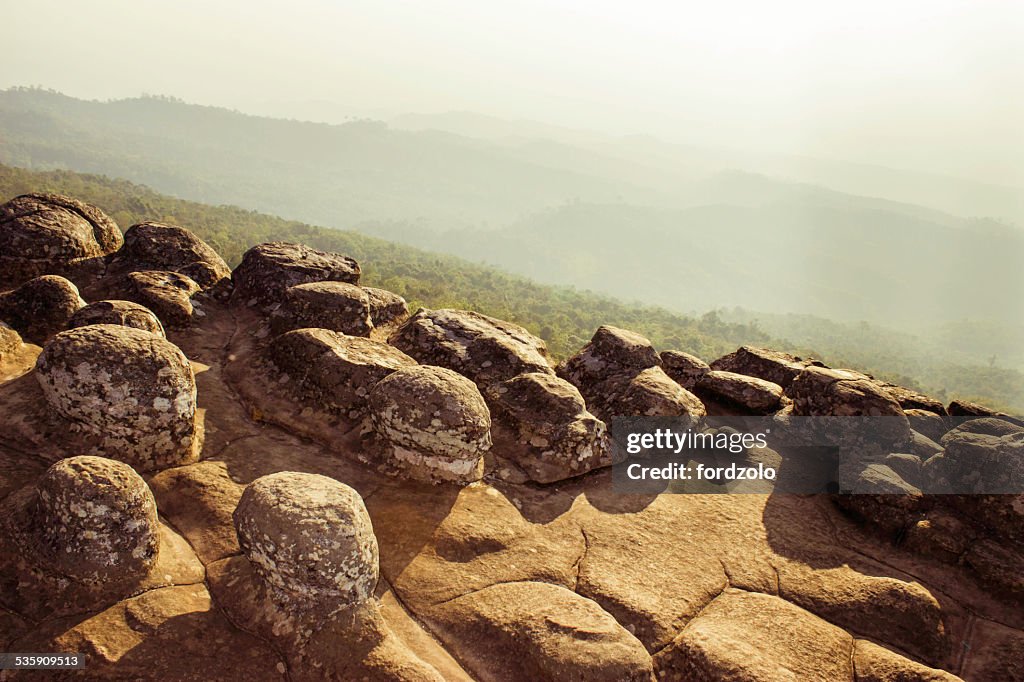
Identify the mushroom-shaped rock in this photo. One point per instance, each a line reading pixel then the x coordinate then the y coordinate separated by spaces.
pixel 763 363
pixel 337 306
pixel 40 307
pixel 123 313
pixel 482 348
pixel 385 306
pixel 334 370
pixel 611 351
pixel 647 394
pixel 431 424
pixel 683 368
pixel 309 538
pixel 541 423
pixel 132 393
pixel 158 246
pixel 749 393
pixel 52 234
pixel 168 294
pixel 95 519
pixel 267 270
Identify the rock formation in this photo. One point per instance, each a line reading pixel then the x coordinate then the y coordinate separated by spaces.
pixel 40 307
pixel 124 313
pixel 267 270
pixel 168 294
pixel 162 247
pixel 337 306
pixel 386 307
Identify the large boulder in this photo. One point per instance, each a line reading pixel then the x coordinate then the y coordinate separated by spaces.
pixel 332 370
pixel 430 424
pixel 611 351
pixel 910 399
pixel 44 234
pixel 267 270
pixel 168 294
pixel 683 368
pixel 90 519
pixel 310 540
pixel 124 313
pixel 771 365
pixel 130 394
pixel 649 393
pixel 159 246
pixel 40 307
pixel 482 348
pixel 385 306
pixel 337 306
pixel 748 393
pixel 927 423
pixel 541 423
pixel 965 408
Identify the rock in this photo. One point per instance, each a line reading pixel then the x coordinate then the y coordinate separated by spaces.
pixel 873 663
pixel 309 538
pixel 537 631
pixel 907 466
pixel 983 464
pixel 124 313
pixel 168 294
pixel 159 246
pixel 912 400
pixel 770 365
pixel 482 348
pixel 267 270
pixel 964 408
pixel 878 494
pixel 332 370
pixel 999 565
pixel 541 423
pixel 683 368
pixel 923 446
pixel 939 535
pixel 43 234
pixel 337 306
pixel 385 306
pixel 10 342
pixel 131 394
pixel 611 352
pixel 994 653
pixel 91 519
pixel 988 426
pixel 647 394
pixel 431 423
pixel 927 423
pixel 40 307
pixel 750 393
pixel 748 637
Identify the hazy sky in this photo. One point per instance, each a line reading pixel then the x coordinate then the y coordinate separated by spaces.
pixel 927 84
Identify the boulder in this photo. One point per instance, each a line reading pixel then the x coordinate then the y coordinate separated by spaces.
pixel 647 394
pixel 131 394
pixel 337 306
pixel 683 368
pixel 332 370
pixel 611 351
pixel 771 365
pixel 912 400
pixel 541 423
pixel 159 246
pixel 749 393
pixel 876 493
pixel 168 294
pixel 123 313
pixel 385 306
pixel 310 540
pixel 485 349
pixel 983 464
pixel 538 631
pixel 987 426
pixel 90 519
pixel 43 234
pixel 964 408
pixel 40 307
pixel 873 663
pixel 940 535
pixel 430 424
pixel 927 423
pixel 10 342
pixel 267 270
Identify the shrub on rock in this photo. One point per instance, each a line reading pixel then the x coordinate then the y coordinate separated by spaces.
pixel 131 394
pixel 431 424
pixel 40 307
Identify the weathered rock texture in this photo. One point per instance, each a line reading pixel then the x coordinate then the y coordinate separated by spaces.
pixel 123 313
pixel 43 234
pixel 542 425
pixel 131 394
pixel 40 307
pixel 770 365
pixel 482 348
pixel 168 294
pixel 267 270
pixel 431 423
pixel 337 306
pixel 386 307
pixel 749 393
pixel 309 538
pixel 159 246
pixel 683 368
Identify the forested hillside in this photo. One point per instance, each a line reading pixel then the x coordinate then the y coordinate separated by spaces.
pixel 563 316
